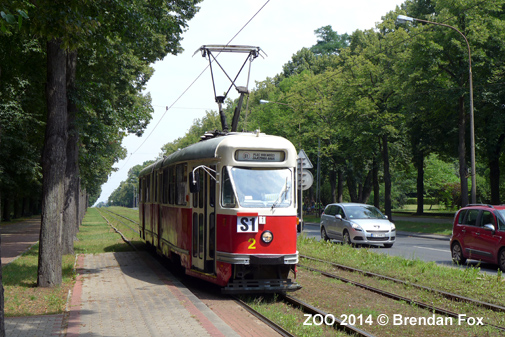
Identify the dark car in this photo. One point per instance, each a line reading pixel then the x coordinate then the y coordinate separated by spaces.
pixel 355 223
pixel 478 233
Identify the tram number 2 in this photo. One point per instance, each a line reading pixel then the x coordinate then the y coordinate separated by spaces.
pixel 247 224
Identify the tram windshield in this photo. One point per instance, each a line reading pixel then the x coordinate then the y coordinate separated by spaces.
pixel 259 188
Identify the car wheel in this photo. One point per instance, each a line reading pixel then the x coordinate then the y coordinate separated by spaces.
pixel 347 238
pixel 501 259
pixel 324 236
pixel 457 254
pixel 388 245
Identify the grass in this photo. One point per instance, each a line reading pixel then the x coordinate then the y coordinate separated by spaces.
pixel 24 298
pixel 424 227
pixel 127 212
pixel 468 282
pixel 289 318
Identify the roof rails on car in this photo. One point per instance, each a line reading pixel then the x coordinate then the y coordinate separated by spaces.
pixel 485 205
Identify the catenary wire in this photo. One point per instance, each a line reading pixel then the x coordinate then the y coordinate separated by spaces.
pixel 192 83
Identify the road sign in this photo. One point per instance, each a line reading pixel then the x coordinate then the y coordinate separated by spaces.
pixel 305 180
pixel 302 157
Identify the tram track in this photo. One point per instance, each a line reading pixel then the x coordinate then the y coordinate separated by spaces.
pixel 335 322
pixel 447 295
pixel 276 327
pixel 307 308
pixel 429 307
pixel 115 215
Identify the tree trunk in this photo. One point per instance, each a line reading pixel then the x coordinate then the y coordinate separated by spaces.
pixel 340 186
pixel 494 180
pixel 376 187
pixel 367 187
pixel 387 177
pixel 70 216
pixel 419 164
pixel 463 171
pixel 333 184
pixel 53 169
pixel 7 209
pixel 351 186
pixel 2 316
pixel 18 207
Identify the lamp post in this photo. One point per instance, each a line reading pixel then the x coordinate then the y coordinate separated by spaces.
pixel 405 19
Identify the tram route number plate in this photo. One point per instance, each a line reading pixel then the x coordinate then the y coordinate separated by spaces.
pixel 249 224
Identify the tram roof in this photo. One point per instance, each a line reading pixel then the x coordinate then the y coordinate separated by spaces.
pixel 208 149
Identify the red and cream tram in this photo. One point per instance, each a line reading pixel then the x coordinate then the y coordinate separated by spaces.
pixel 226 209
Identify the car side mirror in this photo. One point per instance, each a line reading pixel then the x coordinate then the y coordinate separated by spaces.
pixel 338 216
pixel 489 227
pixel 194 182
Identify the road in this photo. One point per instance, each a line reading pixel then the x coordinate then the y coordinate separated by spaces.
pixel 18 237
pixel 415 247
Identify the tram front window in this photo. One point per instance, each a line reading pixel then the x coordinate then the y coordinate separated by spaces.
pixel 262 188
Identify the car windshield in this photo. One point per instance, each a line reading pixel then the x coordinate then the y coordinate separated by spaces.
pixel 263 188
pixel 363 212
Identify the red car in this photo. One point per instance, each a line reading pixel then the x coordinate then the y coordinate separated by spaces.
pixel 478 233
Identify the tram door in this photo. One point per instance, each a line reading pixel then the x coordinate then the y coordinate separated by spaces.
pixel 204 224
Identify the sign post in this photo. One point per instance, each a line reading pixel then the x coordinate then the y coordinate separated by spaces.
pixel 304 181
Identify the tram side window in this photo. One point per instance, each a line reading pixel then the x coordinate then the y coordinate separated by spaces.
pixel 148 188
pixel 155 180
pixel 171 185
pixel 212 192
pixel 227 195
pixel 165 186
pixel 181 183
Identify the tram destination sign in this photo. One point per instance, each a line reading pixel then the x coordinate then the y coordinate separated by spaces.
pixel 251 155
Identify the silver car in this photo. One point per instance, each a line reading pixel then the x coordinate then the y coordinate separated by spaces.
pixel 355 223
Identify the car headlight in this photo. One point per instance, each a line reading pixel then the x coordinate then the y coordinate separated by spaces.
pixel 267 236
pixel 393 227
pixel 357 227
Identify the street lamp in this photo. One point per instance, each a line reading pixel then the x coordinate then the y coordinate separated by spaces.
pixel 405 19
pixel 263 101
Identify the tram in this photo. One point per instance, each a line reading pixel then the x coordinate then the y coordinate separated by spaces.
pixel 225 209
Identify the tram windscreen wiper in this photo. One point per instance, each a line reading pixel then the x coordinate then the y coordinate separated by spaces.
pixel 284 191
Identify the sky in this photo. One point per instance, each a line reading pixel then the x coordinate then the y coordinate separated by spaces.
pixel 279 27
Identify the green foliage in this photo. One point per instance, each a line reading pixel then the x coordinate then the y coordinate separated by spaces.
pixel 210 122
pixel 116 41
pixel 128 190
pixel 329 41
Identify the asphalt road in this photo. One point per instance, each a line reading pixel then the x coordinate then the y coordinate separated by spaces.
pixel 412 246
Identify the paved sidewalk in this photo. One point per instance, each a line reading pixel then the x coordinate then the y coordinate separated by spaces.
pixel 18 237
pixel 125 294
pixel 121 294
pixel 34 326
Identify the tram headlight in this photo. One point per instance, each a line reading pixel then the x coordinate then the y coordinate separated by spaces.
pixel 267 236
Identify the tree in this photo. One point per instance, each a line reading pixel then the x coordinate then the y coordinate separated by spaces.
pixel 53 168
pixel 444 50
pixel 329 41
pixel 210 122
pixel 124 43
pixel 125 193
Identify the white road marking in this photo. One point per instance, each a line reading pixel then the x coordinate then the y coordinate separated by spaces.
pixel 440 250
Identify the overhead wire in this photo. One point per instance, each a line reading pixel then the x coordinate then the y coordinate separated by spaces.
pixel 192 83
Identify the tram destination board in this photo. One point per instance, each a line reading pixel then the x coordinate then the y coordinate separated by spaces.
pixel 268 156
